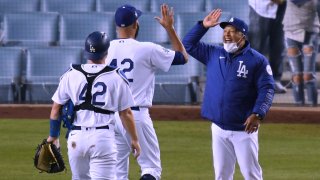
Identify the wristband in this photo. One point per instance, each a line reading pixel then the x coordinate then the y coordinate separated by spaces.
pixel 54 128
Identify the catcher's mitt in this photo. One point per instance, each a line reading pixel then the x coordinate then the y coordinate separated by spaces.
pixel 48 158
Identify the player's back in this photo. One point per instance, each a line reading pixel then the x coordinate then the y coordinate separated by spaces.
pixel 107 88
pixel 139 62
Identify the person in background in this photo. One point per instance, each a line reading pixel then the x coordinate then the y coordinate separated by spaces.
pixel 301 28
pixel 266 34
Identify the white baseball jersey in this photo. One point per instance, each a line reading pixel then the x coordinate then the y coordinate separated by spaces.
pixel 110 91
pixel 139 62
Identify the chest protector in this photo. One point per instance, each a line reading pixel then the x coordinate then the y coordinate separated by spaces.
pixel 86 105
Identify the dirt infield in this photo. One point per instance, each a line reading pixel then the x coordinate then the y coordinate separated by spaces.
pixel 277 114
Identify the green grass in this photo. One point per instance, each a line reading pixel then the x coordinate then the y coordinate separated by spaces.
pixel 287 151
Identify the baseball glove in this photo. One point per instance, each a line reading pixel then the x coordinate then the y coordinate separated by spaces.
pixel 48 158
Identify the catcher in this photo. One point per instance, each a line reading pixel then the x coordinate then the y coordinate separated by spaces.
pixel 48 157
pixel 97 91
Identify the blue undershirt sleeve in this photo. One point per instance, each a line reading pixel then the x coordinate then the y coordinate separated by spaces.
pixel 178 59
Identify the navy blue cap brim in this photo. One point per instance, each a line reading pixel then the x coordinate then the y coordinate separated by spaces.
pixel 224 24
pixel 94 56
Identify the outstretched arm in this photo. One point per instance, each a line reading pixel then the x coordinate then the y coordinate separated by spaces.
pixel 167 21
pixel 191 40
pixel 126 117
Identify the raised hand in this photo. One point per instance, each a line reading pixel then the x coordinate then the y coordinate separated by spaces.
pixel 167 19
pixel 212 19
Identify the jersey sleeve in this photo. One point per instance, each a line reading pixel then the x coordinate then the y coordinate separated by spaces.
pixel 265 85
pixel 162 57
pixel 125 96
pixel 61 96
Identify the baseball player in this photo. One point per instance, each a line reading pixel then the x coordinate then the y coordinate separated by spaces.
pixel 239 92
pixel 139 61
pixel 97 91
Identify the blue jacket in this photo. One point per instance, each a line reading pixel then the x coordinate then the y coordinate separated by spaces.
pixel 236 86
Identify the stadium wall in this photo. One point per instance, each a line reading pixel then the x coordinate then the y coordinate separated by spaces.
pixel 171 112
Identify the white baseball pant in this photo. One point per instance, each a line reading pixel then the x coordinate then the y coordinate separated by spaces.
pixel 92 153
pixel 231 146
pixel 149 159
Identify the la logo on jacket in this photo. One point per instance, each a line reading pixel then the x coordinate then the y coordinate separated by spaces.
pixel 242 70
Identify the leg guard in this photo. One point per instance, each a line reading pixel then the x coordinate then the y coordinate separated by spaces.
pixel 312 92
pixel 147 177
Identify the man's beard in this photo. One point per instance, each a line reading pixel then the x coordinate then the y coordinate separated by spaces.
pixel 137 32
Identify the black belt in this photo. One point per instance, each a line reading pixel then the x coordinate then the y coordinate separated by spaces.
pixel 79 127
pixel 135 108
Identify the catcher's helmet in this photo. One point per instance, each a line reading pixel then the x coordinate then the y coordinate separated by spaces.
pixel 96 46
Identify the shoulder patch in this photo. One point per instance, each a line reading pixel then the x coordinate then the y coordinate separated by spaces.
pixel 269 70
pixel 165 50
pixel 121 73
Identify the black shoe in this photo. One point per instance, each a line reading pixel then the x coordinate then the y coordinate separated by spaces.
pixel 279 88
pixel 147 177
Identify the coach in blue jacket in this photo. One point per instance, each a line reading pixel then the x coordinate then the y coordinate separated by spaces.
pixel 239 92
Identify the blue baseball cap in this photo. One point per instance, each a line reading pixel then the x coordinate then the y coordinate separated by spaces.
pixel 126 15
pixel 96 46
pixel 237 23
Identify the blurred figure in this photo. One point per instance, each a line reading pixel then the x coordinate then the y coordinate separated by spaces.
pixel 301 28
pixel 266 34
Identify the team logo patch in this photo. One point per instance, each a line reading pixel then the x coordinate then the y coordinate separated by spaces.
pixel 73 145
pixel 269 70
pixel 92 49
pixel 242 70
pixel 231 20
pixel 165 50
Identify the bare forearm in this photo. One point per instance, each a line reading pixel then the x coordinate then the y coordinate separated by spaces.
pixel 176 42
pixel 55 111
pixel 127 119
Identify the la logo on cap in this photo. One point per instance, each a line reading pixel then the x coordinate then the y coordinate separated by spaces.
pixel 92 49
pixel 231 20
